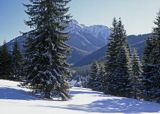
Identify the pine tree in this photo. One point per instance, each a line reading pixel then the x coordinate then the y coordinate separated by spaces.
pixel 5 63
pixel 46 68
pixel 118 67
pixel 17 61
pixel 147 51
pixel 94 82
pixel 136 78
pixel 101 77
pixel 151 64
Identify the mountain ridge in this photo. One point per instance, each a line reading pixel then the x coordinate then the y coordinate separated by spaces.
pixel 135 41
pixel 88 43
pixel 82 39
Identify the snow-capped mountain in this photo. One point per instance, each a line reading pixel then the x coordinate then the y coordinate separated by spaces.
pixel 98 31
pixel 74 27
pixel 83 39
pixel 87 38
pixel 88 43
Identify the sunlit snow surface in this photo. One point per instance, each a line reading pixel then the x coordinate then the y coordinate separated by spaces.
pixel 17 100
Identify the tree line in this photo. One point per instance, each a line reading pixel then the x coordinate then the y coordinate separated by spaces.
pixel 11 62
pixel 123 73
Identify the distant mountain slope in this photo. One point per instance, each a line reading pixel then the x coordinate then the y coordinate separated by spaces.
pixel 83 39
pixel 137 42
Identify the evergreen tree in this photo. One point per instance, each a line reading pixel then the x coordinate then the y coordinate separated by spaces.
pixel 94 82
pixel 46 68
pixel 136 76
pixel 151 65
pixel 17 61
pixel 101 77
pixel 5 63
pixel 118 67
pixel 147 51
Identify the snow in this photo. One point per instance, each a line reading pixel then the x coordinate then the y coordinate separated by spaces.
pixel 98 31
pixel 74 27
pixel 95 30
pixel 17 100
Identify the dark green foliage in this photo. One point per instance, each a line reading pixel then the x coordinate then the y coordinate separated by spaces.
pixel 151 64
pixel 101 77
pixel 17 61
pixel 46 68
pixel 117 67
pixel 5 63
pixel 151 81
pixel 95 79
pixel 94 82
pixel 136 78
pixel 147 57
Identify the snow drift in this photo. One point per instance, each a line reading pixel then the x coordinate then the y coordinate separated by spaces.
pixel 17 100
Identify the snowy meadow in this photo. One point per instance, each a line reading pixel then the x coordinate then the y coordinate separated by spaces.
pixel 17 100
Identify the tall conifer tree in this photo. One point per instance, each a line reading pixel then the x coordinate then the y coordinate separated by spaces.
pixel 117 76
pixel 5 63
pixel 94 82
pixel 46 67
pixel 101 77
pixel 136 78
pixel 17 61
pixel 151 64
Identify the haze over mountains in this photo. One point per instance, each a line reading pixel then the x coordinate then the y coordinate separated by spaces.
pixel 137 42
pixel 88 43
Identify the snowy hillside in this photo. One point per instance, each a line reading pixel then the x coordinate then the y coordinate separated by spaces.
pixel 16 100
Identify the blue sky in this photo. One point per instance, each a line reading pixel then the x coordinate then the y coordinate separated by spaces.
pixel 137 15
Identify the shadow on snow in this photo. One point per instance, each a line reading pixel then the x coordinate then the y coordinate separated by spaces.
pixel 107 105
pixel 115 105
pixel 15 94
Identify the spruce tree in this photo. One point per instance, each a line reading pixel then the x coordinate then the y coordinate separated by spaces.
pixel 101 77
pixel 136 78
pixel 5 63
pixel 147 51
pixel 17 61
pixel 94 82
pixel 46 68
pixel 118 68
pixel 151 64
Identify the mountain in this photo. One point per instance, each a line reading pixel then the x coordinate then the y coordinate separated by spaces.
pixel 87 38
pixel 88 43
pixel 83 39
pixel 134 41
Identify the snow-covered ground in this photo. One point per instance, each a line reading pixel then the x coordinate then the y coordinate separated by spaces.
pixel 16 100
